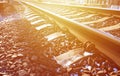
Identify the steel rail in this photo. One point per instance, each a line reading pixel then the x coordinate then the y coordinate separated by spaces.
pixel 89 8
pixel 105 43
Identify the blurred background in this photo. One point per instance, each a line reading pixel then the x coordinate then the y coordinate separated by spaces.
pixel 114 4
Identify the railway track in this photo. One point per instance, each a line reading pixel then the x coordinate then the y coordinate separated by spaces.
pixel 101 21
pixel 62 39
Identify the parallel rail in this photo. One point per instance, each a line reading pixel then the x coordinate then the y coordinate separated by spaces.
pixel 106 44
pixel 87 8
